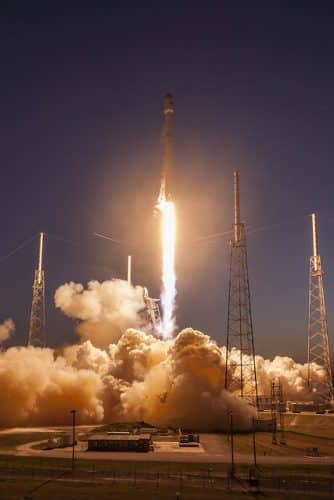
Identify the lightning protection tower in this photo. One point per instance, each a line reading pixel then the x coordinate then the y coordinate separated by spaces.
pixel 240 371
pixel 318 345
pixel 37 325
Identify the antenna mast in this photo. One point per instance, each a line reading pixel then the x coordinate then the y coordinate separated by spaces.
pixel 37 325
pixel 240 374
pixel 318 345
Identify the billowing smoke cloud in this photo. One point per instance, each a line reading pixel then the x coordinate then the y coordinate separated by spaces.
pixel 105 310
pixel 7 328
pixel 39 388
pixel 292 375
pixel 119 373
pixel 177 383
pixel 185 389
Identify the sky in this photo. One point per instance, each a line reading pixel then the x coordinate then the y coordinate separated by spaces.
pixel 81 96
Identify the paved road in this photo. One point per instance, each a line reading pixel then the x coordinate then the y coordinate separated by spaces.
pixel 215 444
pixel 213 449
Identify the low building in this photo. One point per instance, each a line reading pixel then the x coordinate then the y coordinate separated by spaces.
pixel 188 440
pixel 120 442
pixel 306 406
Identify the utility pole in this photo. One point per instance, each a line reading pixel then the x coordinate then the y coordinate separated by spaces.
pixel 37 324
pixel 318 345
pixel 232 445
pixel 240 377
pixel 73 412
pixel 254 444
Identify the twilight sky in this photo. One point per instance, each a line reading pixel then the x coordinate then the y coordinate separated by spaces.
pixel 81 94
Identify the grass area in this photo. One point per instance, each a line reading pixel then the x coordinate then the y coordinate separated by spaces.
pixel 34 464
pixel 305 423
pixel 313 425
pixel 296 444
pixel 18 488
pixel 121 466
pixel 10 441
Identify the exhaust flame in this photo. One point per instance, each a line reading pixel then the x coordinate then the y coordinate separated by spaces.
pixel 168 292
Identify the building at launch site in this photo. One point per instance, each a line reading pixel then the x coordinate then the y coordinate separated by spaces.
pixel 120 442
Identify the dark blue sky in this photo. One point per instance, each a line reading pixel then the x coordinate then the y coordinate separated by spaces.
pixel 81 118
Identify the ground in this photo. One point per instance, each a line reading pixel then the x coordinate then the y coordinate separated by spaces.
pixel 11 490
pixel 198 472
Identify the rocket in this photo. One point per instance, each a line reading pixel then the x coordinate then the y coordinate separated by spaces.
pixel 165 187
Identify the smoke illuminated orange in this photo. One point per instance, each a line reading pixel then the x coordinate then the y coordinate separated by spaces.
pixel 168 292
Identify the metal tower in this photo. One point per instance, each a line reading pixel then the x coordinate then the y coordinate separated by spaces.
pixel 277 412
pixel 240 371
pixel 318 345
pixel 152 312
pixel 37 325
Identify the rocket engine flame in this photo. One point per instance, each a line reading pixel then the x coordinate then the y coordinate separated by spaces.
pixel 168 292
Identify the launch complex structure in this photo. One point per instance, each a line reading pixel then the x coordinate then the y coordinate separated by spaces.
pixel 240 371
pixel 318 343
pixel 240 351
pixel 240 337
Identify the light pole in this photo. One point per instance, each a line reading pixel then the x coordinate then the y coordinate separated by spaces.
pixel 232 445
pixel 73 439
pixel 254 443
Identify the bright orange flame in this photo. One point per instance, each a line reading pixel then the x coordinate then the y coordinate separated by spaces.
pixel 168 292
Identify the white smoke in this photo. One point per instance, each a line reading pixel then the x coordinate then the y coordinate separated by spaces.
pixel 39 388
pixel 7 328
pixel 105 310
pixel 176 383
pixel 134 375
pixel 293 377
pixel 185 388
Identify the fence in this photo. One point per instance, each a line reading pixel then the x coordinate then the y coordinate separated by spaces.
pixel 178 480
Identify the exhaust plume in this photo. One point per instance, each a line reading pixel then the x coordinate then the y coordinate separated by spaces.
pixel 168 278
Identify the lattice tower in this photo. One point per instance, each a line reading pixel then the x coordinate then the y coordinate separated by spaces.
pixel 277 412
pixel 318 344
pixel 152 312
pixel 240 374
